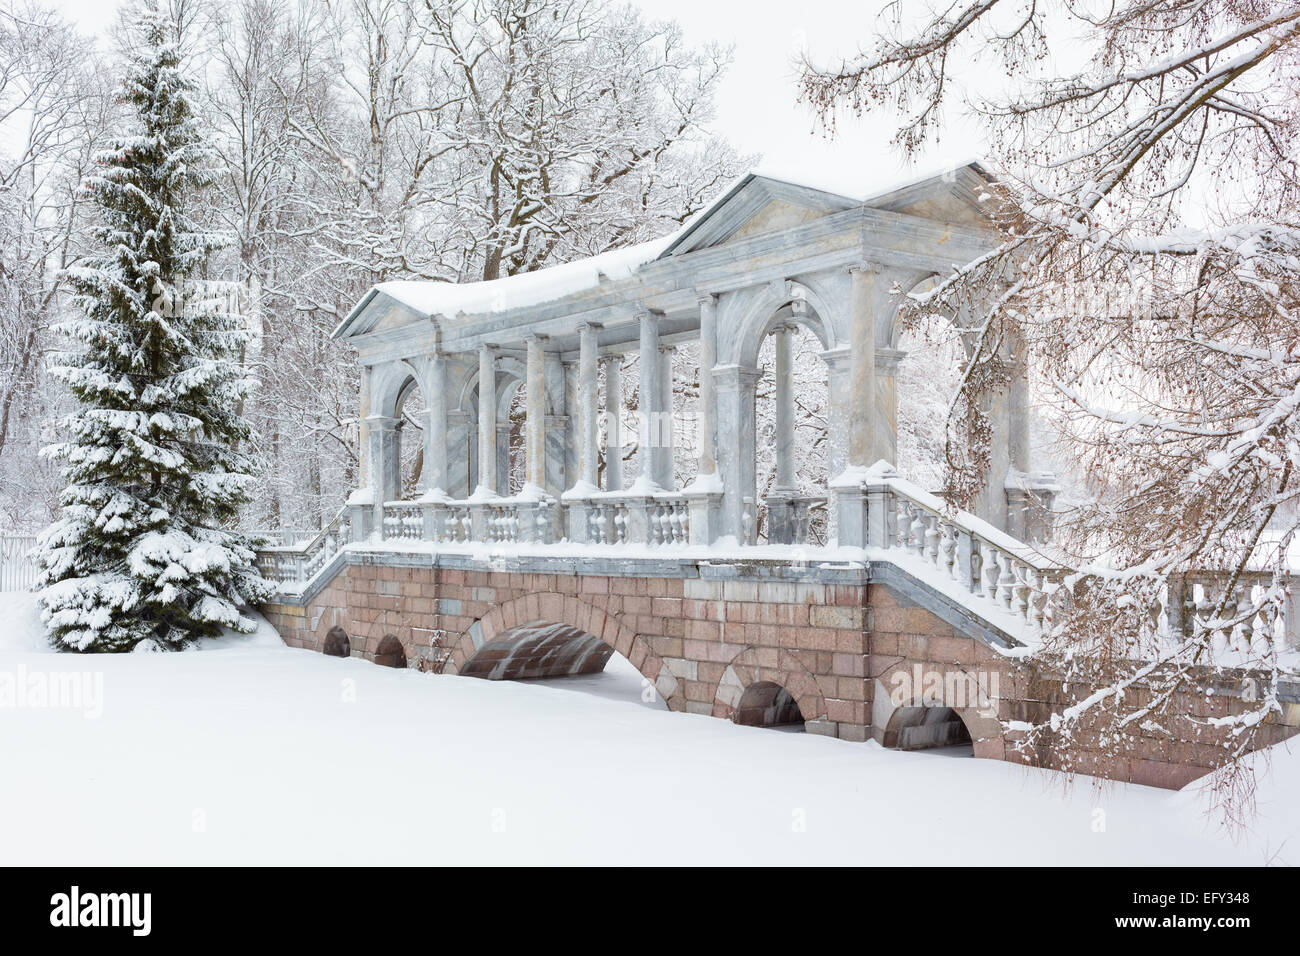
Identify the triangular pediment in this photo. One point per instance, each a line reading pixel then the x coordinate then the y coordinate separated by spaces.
pixel 378 311
pixel 760 204
pixel 957 196
pixel 756 206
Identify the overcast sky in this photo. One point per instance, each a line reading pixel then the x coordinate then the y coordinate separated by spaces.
pixel 756 103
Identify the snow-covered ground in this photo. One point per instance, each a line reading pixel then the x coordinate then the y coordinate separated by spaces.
pixel 250 752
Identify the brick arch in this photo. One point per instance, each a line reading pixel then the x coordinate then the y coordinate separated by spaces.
pixel 582 619
pixel 754 665
pixel 952 687
pixel 390 652
pixel 337 643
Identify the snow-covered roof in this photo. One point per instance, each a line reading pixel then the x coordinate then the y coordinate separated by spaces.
pixel 529 288
pixel 712 224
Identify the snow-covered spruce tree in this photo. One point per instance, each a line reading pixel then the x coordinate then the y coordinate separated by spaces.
pixel 142 557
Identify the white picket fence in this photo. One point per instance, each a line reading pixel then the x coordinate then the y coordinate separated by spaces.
pixel 17 569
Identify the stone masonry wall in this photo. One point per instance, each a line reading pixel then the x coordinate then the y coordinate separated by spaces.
pixel 857 658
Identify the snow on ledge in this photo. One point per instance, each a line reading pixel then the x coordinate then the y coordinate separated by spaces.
pixel 526 289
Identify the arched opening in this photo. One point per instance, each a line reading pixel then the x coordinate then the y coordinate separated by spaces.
pixel 511 419
pixel 928 375
pixel 684 410
pixel 792 453
pixel 337 643
pixel 561 655
pixel 538 649
pixel 408 438
pixel 515 436
pixel 935 728
pixel 767 704
pixel 390 652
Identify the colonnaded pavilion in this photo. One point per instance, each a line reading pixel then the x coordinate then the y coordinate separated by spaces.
pixel 540 530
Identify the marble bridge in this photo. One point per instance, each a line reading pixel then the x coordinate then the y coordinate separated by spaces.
pixel 540 524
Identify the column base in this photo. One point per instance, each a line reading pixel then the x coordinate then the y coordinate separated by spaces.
pixel 361 508
pixel 1029 505
pixel 704 500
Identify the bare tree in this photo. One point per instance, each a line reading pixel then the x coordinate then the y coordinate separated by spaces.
pixel 52 110
pixel 449 141
pixel 1148 268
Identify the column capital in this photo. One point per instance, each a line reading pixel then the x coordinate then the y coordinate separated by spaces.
pixel 867 267
pixel 736 376
pixel 838 357
pixel 536 338
pixel 887 360
pixel 590 326
pixel 704 297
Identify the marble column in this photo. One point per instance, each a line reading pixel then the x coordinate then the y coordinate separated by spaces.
pixel 866 282
pixel 588 409
pixel 487 421
pixel 614 423
pixel 650 392
pixel 502 486
pixel 559 472
pixel 735 390
pixel 363 429
pixel 991 503
pixel 708 412
pixel 665 475
pixel 435 430
pixel 1028 495
pixel 1018 407
pixel 462 454
pixel 885 429
pixel 535 416
pixel 784 478
pixel 838 370
pixel 385 459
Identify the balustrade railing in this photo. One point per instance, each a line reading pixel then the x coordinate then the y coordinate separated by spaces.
pixel 449 523
pixel 1236 608
pixel 999 573
pixel 607 522
pixel 983 561
pixel 403 521
pixel 293 564
pixel 659 519
pixel 991 572
pixel 524 519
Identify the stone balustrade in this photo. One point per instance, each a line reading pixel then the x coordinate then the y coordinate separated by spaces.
pixel 403 521
pixel 995 576
pixel 883 512
pixel 292 565
pixel 1233 605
